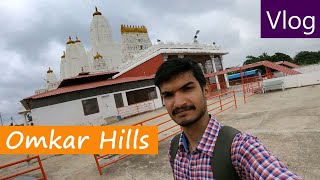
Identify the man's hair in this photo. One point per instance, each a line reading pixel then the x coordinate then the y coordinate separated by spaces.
pixel 173 67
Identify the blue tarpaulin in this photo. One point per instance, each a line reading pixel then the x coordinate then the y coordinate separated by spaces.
pixel 247 73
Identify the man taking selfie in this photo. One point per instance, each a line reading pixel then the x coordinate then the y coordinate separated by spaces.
pixel 206 149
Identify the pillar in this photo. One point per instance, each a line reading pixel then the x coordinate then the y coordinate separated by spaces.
pixel 165 58
pixel 25 119
pixel 268 73
pixel 215 70
pixel 204 67
pixel 221 60
pixel 124 98
pixel 227 80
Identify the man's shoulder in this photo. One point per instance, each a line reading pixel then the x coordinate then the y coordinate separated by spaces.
pixel 245 137
pixel 244 141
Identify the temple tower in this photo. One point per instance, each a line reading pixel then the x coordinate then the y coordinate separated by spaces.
pixel 134 39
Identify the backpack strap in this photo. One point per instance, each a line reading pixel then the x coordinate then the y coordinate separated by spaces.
pixel 221 162
pixel 174 146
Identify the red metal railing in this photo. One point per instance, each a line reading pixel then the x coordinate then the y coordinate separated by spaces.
pixel 97 157
pixel 221 100
pixel 248 86
pixel 44 177
pixel 252 86
pixel 167 127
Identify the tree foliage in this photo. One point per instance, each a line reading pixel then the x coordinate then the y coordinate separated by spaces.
pixel 302 58
pixel 281 57
pixel 307 58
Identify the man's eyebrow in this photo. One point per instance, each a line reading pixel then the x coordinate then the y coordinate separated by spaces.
pixel 185 85
pixel 189 83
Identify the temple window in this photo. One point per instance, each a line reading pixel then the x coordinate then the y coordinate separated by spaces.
pixel 90 106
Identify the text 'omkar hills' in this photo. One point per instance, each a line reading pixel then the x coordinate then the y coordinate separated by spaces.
pixel 79 140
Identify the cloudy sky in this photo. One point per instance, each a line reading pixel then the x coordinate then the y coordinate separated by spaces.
pixel 33 34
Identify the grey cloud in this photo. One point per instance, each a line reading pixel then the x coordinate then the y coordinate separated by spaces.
pixel 184 7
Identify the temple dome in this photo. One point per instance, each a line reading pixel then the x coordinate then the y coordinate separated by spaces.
pixel 64 54
pixel 49 71
pixel 70 41
pixel 97 56
pixel 77 40
pixel 97 12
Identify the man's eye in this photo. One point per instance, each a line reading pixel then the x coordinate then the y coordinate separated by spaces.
pixel 167 95
pixel 187 88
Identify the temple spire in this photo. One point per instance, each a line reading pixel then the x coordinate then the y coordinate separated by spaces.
pixel 97 12
pixel 70 41
pixel 64 54
pixel 49 71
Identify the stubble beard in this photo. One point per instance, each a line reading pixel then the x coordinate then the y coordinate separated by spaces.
pixel 190 122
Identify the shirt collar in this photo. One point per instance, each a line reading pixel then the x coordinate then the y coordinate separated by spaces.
pixel 208 139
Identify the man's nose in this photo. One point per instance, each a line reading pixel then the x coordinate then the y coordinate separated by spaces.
pixel 180 100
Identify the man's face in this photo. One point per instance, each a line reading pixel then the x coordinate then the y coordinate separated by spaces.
pixel 184 99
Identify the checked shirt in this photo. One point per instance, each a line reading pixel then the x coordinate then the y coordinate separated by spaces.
pixel 250 158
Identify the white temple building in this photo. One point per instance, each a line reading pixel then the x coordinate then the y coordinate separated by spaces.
pixel 111 77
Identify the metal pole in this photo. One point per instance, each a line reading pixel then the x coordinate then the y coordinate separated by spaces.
pixel 235 100
pixel 220 101
pixel 41 167
pixel 98 165
pixel 243 88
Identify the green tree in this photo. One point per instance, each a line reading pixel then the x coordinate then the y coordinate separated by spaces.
pixel 307 58
pixel 264 57
pixel 280 57
pixel 251 59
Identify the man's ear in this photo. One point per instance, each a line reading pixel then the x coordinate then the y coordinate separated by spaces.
pixel 206 90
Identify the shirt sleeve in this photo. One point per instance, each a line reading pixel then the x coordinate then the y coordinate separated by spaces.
pixel 252 160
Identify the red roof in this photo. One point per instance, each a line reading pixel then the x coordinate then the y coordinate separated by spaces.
pixel 84 78
pixel 89 75
pixel 261 63
pixel 288 64
pixel 91 85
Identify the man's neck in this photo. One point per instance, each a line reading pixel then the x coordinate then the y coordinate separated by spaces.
pixel 195 131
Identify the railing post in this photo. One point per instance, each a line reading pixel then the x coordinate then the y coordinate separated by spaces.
pixel 220 102
pixel 259 86
pixel 98 165
pixel 243 88
pixel 41 168
pixel 235 100
pixel 244 93
pixel 252 88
